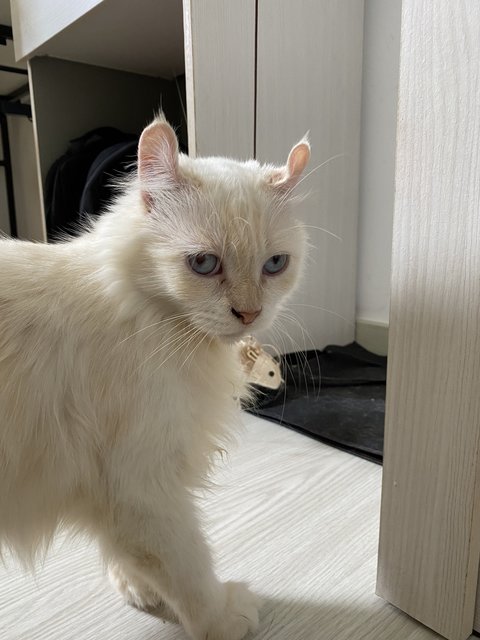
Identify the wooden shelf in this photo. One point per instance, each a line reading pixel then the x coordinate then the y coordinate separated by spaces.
pixel 144 37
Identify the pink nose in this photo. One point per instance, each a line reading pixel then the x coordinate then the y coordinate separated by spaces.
pixel 247 317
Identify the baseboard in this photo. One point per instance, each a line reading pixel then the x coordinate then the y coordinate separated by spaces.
pixel 372 336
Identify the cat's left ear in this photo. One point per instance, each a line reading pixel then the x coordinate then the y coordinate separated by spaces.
pixel 288 176
pixel 157 158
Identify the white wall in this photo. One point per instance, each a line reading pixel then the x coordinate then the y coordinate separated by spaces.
pixel 379 115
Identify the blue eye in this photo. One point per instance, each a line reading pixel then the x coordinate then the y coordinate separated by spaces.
pixel 276 264
pixel 205 264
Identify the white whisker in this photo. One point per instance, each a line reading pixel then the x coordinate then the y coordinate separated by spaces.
pixel 156 324
pixel 180 335
pixel 312 226
pixel 297 320
pixel 195 333
pixel 319 166
pixel 312 306
pixel 192 352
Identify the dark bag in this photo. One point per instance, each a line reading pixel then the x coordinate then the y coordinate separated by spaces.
pixel 110 165
pixel 67 178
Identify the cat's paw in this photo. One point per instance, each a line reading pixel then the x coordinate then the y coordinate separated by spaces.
pixel 239 616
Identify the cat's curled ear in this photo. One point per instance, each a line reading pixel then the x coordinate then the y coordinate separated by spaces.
pixel 157 158
pixel 287 176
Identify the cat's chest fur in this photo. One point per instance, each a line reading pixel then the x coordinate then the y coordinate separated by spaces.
pixel 182 399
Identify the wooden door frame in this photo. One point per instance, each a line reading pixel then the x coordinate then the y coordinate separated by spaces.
pixel 430 526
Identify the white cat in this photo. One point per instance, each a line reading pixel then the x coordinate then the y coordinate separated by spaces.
pixel 119 375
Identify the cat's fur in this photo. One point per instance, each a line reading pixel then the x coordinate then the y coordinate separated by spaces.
pixel 119 373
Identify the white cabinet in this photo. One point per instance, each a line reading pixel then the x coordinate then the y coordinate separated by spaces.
pixel 220 71
pixel 309 78
pixel 144 36
pixel 96 63
pixel 259 74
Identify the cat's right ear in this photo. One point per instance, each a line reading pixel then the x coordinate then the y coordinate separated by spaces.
pixel 157 159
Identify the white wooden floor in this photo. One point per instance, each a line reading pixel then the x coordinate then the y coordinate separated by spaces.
pixel 296 519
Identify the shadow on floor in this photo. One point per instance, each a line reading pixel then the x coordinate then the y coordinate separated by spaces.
pixel 283 619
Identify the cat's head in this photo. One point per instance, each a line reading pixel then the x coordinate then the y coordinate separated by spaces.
pixel 224 245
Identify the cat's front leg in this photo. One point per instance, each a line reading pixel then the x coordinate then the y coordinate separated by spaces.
pixel 161 548
pixel 138 593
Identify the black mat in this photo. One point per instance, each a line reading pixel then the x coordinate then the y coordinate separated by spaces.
pixel 336 395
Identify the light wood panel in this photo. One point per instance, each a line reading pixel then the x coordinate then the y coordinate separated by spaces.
pixel 144 36
pixel 296 519
pixel 309 79
pixel 34 22
pixel 430 527
pixel 220 76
